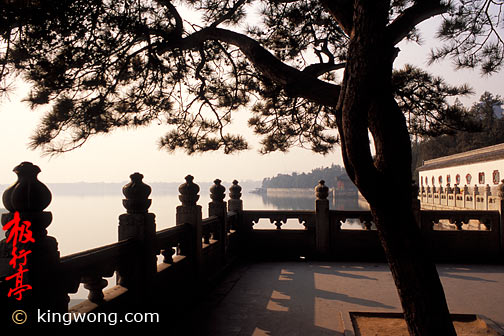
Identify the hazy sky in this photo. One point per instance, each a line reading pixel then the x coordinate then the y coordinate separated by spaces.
pixel 113 157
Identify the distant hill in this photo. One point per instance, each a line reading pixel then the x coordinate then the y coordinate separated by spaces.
pixel 488 131
pixel 102 188
pixel 332 176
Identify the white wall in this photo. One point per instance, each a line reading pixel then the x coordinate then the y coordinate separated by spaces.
pixel 473 169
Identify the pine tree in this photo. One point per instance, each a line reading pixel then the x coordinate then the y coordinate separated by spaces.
pixel 125 63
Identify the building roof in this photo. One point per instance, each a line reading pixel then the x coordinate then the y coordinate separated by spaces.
pixel 490 153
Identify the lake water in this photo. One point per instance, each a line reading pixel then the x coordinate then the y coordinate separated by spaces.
pixel 83 222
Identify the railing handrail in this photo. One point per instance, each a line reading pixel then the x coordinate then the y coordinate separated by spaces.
pixel 209 220
pixel 172 234
pixel 176 234
pixel 103 254
pixel 279 211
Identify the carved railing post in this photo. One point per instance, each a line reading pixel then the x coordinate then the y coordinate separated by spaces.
pixel 415 202
pixel 29 258
pixel 235 204
pixel 448 191
pixel 95 285
pixel 138 268
pixel 456 193
pixel 500 189
pixel 189 212
pixel 465 192
pixel 240 241
pixel 322 223
pixel 488 193
pixel 217 207
pixel 475 196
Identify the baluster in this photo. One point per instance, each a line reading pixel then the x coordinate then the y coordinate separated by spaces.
pixel 458 223
pixel 322 223
pixel 447 191
pixel 217 207
pixel 488 193
pixel 475 196
pixel 367 224
pixel 486 222
pixel 168 254
pixel 456 192
pixel 26 200
pixel 500 224
pixel 278 223
pixel 339 221
pixel 235 204
pixel 430 225
pixel 206 236
pixel 137 270
pixel 190 213
pixel 500 189
pixel 464 196
pixel 415 202
pixel 95 284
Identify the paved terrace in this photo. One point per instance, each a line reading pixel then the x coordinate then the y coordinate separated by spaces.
pixel 310 298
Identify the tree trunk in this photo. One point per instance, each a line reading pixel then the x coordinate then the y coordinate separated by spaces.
pixel 366 105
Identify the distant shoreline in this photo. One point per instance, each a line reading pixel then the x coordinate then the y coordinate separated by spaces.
pixel 115 188
pixel 303 192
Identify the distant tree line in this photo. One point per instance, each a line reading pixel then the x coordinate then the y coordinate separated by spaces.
pixel 305 180
pixel 488 129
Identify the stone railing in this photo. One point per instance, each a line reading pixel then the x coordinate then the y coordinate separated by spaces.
pixel 473 198
pixel 190 254
pixel 470 235
pixel 451 236
pixel 480 242
pixel 167 269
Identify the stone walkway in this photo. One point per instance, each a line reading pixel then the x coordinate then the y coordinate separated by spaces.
pixel 310 298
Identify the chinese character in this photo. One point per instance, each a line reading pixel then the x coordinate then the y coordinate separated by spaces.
pixel 19 233
pixel 20 288
pixel 22 254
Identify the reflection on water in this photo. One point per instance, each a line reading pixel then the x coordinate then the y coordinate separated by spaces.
pixel 308 203
pixel 83 222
